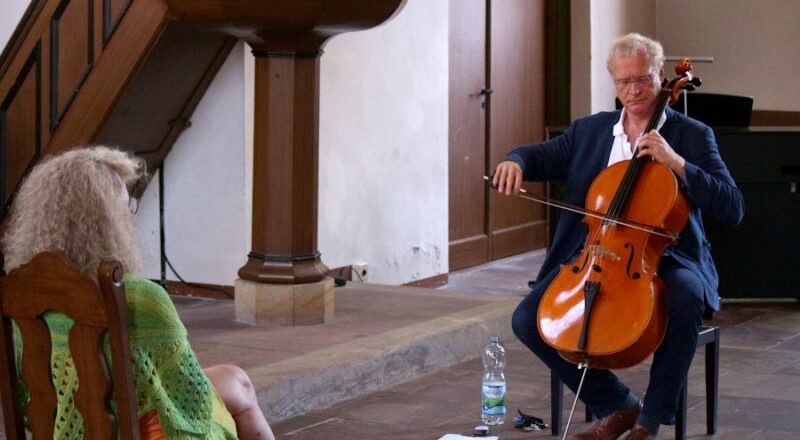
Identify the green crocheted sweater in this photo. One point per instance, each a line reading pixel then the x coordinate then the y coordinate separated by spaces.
pixel 166 374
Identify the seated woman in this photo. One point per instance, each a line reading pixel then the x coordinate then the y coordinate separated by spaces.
pixel 77 203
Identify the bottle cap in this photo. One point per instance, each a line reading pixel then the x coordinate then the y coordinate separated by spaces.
pixel 481 431
pixel 494 340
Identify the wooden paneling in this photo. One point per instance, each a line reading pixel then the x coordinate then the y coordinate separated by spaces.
pixel 517 53
pixel 71 54
pixel 519 238
pixel 110 73
pixel 469 251
pixel 159 101
pixel 467 150
pixel 113 10
pixel 54 54
pixel 285 172
pixel 502 53
pixel 773 118
pixel 20 127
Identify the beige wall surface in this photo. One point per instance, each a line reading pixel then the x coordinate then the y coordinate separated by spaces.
pixel 10 13
pixel 595 23
pixel 755 45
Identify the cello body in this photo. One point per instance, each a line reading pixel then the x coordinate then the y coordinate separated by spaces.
pixel 607 308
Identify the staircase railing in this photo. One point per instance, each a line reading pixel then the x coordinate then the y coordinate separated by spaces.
pixel 66 66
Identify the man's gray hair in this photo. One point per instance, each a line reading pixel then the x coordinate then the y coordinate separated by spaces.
pixel 633 43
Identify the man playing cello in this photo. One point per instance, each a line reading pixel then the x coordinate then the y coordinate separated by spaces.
pixel 688 148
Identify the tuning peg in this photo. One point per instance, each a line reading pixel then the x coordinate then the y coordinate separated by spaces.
pixel 697 82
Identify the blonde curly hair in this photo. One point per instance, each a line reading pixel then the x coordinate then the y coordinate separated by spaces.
pixel 74 203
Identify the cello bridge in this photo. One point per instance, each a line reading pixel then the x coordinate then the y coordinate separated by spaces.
pixel 602 251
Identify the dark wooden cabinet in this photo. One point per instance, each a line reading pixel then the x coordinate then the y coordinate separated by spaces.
pixel 760 258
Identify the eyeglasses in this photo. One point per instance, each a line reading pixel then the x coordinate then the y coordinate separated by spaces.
pixel 640 81
pixel 135 191
pixel 133 204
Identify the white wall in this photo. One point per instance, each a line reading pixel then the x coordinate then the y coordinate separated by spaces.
pixel 10 13
pixel 207 190
pixel 383 128
pixel 592 34
pixel 383 159
pixel 755 45
pixel 383 146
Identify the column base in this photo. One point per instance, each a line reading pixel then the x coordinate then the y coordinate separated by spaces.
pixel 284 304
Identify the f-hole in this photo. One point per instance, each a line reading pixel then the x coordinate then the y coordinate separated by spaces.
pixel 634 275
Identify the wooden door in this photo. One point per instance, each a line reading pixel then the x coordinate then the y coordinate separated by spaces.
pixel 497 61
pixel 469 243
pixel 517 63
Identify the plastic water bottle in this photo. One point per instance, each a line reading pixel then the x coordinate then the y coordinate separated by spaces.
pixel 493 391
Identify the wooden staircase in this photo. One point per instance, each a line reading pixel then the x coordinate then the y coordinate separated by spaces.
pixel 120 72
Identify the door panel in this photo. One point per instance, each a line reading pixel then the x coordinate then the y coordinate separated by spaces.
pixel 469 244
pixel 503 51
pixel 517 53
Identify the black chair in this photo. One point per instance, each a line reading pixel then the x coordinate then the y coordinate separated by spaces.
pixel 708 337
pixel 715 109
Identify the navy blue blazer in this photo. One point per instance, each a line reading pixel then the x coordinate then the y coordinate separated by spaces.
pixel 582 151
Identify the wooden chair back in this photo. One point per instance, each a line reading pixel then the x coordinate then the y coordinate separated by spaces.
pixel 49 282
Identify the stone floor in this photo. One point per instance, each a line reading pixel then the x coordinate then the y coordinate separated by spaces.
pixel 759 380
pixel 428 341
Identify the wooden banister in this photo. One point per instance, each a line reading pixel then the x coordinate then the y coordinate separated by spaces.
pixel 63 72
pixel 71 64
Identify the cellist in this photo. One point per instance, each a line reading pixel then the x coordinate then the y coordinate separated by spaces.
pixel 688 148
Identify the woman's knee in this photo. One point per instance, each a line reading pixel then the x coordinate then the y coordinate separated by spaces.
pixel 234 387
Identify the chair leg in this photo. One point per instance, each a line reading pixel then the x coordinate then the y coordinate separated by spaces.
pixel 712 383
pixel 556 403
pixel 680 415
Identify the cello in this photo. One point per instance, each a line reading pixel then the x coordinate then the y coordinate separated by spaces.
pixel 607 308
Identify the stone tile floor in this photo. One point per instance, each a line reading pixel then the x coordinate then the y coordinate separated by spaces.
pixel 759 365
pixel 759 380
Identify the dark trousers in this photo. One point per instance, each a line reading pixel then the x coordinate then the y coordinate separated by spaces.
pixel 602 391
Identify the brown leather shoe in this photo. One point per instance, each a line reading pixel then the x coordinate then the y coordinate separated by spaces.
pixel 612 426
pixel 640 433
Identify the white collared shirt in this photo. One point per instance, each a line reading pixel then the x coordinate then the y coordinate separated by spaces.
pixel 621 150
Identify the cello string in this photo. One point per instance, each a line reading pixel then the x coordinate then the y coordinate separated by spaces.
pixel 628 180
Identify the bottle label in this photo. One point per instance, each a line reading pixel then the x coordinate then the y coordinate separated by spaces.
pixel 493 399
